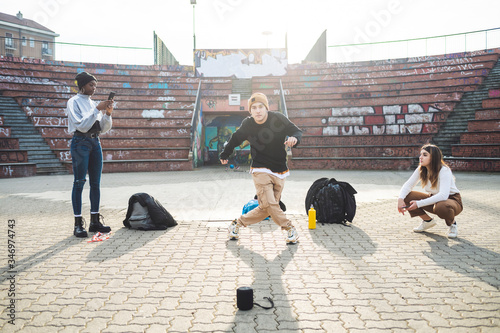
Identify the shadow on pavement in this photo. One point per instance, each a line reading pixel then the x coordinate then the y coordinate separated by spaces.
pixel 268 282
pixel 123 241
pixel 465 258
pixel 339 239
pixel 43 255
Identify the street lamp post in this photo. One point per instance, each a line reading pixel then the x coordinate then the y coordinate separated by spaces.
pixel 193 2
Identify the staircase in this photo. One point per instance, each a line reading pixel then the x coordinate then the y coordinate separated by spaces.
pixel 242 87
pixel 30 139
pixel 457 121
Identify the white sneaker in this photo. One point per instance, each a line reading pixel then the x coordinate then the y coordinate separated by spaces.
pixel 453 232
pixel 233 230
pixel 292 235
pixel 425 225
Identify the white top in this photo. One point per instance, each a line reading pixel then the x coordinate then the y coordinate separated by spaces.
pixel 82 114
pixel 266 170
pixel 445 187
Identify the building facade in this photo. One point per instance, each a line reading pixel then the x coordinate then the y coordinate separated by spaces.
pixel 24 38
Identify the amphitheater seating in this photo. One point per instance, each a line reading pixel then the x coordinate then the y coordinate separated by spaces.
pixel 479 147
pixel 151 121
pixel 365 115
pixel 374 115
pixel 13 161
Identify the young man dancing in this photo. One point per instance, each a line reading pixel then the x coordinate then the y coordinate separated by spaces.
pixel 268 133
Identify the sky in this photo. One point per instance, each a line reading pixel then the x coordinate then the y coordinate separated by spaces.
pixel 248 24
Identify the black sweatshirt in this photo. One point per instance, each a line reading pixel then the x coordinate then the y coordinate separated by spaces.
pixel 266 141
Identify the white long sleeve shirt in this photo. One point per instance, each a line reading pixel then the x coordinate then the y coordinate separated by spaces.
pixel 445 187
pixel 82 114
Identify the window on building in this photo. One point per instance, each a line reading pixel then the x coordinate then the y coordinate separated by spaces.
pixel 32 42
pixel 24 41
pixel 45 48
pixel 9 42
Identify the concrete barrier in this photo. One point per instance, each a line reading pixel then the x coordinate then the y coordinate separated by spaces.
pixel 133 154
pixel 8 156
pixel 491 103
pixel 4 132
pixel 57 143
pixel 357 151
pixel 484 125
pixel 143 166
pixel 345 163
pixel 476 150
pixel 487 114
pixel 480 137
pixel 9 143
pixel 359 140
pixel 130 133
pixel 14 170
pixel 474 164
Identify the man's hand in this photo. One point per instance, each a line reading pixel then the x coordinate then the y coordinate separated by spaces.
pixel 224 161
pixel 291 141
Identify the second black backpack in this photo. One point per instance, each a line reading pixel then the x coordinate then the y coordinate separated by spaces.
pixel 146 213
pixel 333 201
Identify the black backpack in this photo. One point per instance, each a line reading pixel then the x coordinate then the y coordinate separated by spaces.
pixel 333 201
pixel 146 213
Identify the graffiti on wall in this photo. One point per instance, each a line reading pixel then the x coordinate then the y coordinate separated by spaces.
pixel 389 119
pixel 218 131
pixel 6 82
pixel 242 63
pixel 5 132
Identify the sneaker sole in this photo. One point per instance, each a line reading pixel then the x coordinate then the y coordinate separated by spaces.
pixel 425 228
pixel 104 231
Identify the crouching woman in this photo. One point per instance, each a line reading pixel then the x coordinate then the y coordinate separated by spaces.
pixel 441 196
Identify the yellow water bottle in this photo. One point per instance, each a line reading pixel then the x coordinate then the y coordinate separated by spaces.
pixel 312 217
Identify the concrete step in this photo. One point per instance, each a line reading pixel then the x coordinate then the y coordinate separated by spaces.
pixel 30 140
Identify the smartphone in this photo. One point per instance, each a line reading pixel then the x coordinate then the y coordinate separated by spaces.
pixel 111 95
pixel 405 206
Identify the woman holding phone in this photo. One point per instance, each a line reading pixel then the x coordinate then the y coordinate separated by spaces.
pixel 86 121
pixel 441 196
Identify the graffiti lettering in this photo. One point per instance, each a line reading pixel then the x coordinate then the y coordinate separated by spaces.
pixel 65 156
pixel 7 171
pixel 4 132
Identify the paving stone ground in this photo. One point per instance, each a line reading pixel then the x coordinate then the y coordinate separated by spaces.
pixel 374 276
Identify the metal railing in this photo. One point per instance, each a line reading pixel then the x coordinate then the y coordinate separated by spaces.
pixel 284 110
pixel 197 146
pixel 73 52
pixel 416 47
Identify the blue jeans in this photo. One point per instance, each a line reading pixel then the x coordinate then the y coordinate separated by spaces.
pixel 86 155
